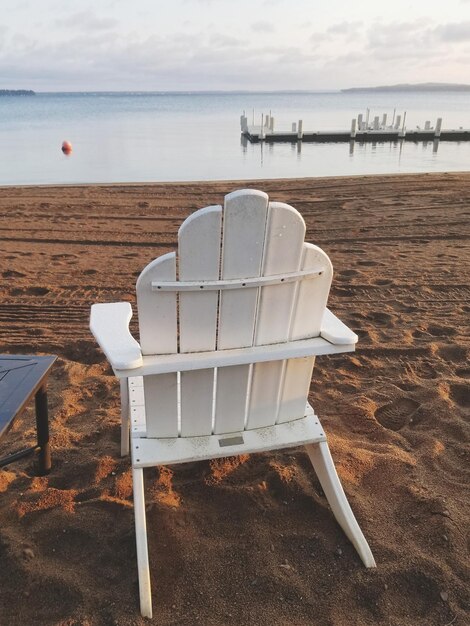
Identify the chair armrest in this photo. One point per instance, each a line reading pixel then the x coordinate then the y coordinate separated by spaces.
pixel 334 331
pixel 109 324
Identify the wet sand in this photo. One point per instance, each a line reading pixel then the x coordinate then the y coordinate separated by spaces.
pixel 249 540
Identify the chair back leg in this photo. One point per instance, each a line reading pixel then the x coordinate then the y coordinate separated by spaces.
pixel 324 467
pixel 141 541
pixel 125 417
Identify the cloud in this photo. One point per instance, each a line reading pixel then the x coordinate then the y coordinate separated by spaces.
pixel 219 40
pixel 263 27
pixel 416 40
pixel 397 35
pixel 454 32
pixel 159 62
pixel 344 28
pixel 346 52
pixel 86 21
pixel 345 31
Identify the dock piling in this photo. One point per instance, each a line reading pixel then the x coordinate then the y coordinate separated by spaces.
pixel 402 132
pixel 353 128
pixel 300 133
pixel 437 132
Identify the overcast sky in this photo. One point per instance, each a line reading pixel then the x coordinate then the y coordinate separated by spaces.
pixel 55 45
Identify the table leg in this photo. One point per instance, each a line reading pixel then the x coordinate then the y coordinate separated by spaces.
pixel 42 425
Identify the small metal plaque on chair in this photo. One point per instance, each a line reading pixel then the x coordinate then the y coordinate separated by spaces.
pixel 231 441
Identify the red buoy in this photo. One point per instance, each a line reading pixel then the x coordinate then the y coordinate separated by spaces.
pixel 66 147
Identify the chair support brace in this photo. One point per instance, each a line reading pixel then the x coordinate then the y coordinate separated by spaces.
pixel 236 283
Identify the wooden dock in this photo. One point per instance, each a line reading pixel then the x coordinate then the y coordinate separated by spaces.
pixel 254 135
pixel 360 131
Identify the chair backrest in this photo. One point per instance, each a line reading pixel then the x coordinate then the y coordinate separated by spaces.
pixel 225 300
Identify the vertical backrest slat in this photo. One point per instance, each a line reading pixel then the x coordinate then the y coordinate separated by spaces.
pixel 245 214
pixel 295 388
pixel 310 303
pixel 158 335
pixel 161 405
pixel 244 227
pixel 199 242
pixel 157 310
pixel 199 259
pixel 283 247
pixel 312 295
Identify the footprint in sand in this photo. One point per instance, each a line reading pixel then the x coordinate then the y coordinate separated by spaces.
pixel 348 273
pixel 383 282
pixel 36 291
pixel 414 595
pixel 454 354
pixel 463 372
pixel 395 414
pixel 425 369
pixel 12 274
pixel 344 292
pixel 441 331
pixel 460 394
pixel 380 318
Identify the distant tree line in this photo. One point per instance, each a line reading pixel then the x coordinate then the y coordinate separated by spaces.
pixel 410 87
pixel 17 92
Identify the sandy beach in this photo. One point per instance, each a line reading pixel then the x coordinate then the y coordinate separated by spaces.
pixel 247 540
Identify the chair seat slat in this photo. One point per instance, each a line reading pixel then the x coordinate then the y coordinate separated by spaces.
pixel 148 452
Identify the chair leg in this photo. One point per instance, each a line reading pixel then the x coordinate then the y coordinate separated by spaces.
pixel 125 417
pixel 324 467
pixel 141 541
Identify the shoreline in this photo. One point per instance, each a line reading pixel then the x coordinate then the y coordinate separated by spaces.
pixel 230 180
pixel 246 540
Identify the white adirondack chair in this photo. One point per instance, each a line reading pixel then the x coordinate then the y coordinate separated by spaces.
pixel 226 350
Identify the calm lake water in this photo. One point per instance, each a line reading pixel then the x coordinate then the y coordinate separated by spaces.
pixel 122 137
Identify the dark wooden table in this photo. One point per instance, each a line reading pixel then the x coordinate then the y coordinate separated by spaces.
pixel 21 378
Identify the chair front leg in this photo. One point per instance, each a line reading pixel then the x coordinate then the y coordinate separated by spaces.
pixel 145 591
pixel 324 467
pixel 125 416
